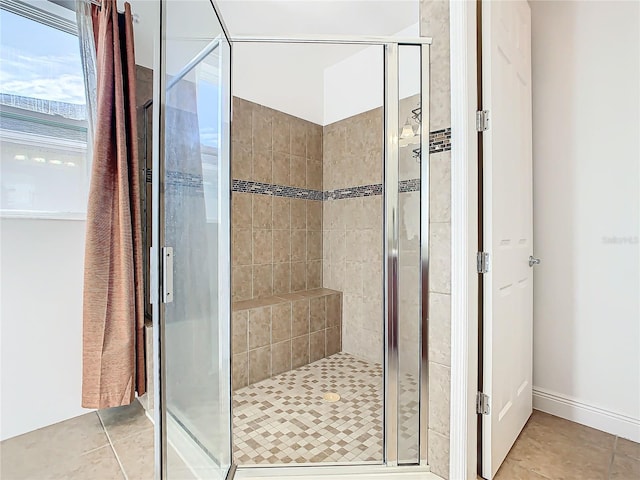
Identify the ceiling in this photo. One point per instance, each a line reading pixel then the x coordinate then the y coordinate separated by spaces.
pixel 317 17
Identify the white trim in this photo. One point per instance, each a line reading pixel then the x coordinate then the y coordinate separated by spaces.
pixel 36 215
pixel 333 39
pixel 47 13
pixel 577 411
pixel 464 222
pixel 35 140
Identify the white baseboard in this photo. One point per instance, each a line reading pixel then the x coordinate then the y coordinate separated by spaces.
pixel 589 415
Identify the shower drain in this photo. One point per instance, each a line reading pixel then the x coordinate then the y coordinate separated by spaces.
pixel 331 397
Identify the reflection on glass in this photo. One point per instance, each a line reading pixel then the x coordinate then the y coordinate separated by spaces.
pixel 196 161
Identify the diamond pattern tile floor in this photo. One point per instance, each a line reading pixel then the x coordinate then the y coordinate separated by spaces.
pixel 286 420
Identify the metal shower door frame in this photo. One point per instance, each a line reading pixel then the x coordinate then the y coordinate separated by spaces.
pixel 390 46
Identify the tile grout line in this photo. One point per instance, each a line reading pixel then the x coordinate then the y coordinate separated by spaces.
pixel 124 474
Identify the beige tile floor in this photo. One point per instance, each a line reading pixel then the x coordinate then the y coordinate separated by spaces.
pixel 118 443
pixel 551 448
pixel 101 445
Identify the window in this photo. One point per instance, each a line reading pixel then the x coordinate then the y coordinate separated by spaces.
pixel 44 169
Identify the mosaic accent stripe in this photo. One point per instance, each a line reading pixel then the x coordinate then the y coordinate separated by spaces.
pixel 412 185
pixel 440 140
pixel 187 182
pixel 353 192
pixel 246 186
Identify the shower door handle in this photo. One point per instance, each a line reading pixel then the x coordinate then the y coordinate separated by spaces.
pixel 167 274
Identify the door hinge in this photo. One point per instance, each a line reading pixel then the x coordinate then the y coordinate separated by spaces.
pixel 483 260
pixel 482 404
pixel 482 120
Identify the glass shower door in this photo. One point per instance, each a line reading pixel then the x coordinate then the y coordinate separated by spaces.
pixel 193 226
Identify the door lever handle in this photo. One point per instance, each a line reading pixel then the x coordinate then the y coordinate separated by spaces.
pixel 533 261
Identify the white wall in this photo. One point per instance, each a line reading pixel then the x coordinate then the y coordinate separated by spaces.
pixel 40 323
pixel 356 84
pixel 586 154
pixel 287 78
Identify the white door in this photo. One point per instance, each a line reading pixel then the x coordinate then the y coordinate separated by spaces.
pixel 508 227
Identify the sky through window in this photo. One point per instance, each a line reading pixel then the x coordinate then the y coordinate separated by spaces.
pixel 39 61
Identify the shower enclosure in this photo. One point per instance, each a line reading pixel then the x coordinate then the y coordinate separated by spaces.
pixel 191 264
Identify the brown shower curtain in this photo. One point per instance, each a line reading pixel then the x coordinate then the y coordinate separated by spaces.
pixel 113 368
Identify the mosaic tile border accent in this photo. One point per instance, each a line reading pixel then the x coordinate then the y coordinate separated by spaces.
pixel 177 179
pixel 246 186
pixel 353 192
pixel 412 185
pixel 440 140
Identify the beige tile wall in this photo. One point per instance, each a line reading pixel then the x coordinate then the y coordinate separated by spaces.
pixel 353 151
pixel 352 236
pixel 353 265
pixel 276 241
pixel 434 16
pixel 274 336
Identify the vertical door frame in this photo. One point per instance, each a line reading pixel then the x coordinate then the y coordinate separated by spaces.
pixel 391 252
pixel 464 235
pixel 425 229
pixel 155 257
pixel 227 215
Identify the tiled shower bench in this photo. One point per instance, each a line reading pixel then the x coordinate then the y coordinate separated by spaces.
pixel 276 334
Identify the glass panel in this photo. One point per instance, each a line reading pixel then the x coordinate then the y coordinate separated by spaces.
pixel 196 201
pixel 409 300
